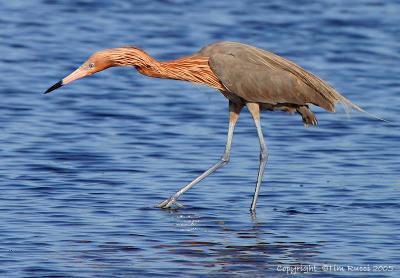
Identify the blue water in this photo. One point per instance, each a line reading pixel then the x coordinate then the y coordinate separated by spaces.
pixel 82 168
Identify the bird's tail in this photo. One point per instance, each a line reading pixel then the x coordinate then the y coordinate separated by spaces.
pixel 348 105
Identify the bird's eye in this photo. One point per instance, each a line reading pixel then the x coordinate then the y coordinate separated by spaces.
pixel 91 65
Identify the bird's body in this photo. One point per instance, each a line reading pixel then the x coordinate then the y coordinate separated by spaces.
pixel 242 73
pixel 256 75
pixel 246 75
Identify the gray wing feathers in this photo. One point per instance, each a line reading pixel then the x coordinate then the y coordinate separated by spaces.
pixel 257 83
pixel 261 76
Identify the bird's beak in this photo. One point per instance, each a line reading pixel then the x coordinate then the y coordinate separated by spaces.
pixel 77 74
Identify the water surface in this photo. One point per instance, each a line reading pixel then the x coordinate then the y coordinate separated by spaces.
pixel 81 169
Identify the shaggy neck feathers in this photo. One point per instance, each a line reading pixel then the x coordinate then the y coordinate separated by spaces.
pixel 192 68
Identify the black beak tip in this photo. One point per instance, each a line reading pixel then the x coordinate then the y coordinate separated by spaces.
pixel 55 86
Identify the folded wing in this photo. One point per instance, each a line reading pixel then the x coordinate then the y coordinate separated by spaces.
pixel 257 75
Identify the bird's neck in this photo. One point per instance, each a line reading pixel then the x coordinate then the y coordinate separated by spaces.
pixel 191 68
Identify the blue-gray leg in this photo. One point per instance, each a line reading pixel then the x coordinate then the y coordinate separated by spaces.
pixel 254 109
pixel 234 111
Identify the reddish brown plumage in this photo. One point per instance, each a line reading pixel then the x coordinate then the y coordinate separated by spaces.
pixel 191 68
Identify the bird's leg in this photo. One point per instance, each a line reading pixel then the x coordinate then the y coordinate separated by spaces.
pixel 254 109
pixel 234 111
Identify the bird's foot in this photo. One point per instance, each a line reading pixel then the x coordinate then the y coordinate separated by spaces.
pixel 168 203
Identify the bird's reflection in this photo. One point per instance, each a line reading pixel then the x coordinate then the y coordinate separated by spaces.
pixel 237 248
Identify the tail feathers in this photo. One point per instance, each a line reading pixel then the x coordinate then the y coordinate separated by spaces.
pixel 348 105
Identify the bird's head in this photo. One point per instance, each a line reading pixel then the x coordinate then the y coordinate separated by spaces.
pixel 101 60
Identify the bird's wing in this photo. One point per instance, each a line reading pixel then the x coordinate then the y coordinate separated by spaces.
pixel 261 76
pixel 257 83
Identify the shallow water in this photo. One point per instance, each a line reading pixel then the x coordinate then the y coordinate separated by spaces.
pixel 81 169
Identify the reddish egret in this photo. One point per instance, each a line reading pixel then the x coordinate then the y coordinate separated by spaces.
pixel 245 75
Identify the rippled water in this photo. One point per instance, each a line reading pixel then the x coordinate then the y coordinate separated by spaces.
pixel 81 169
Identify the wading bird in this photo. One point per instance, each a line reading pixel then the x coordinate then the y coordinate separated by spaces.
pixel 245 75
